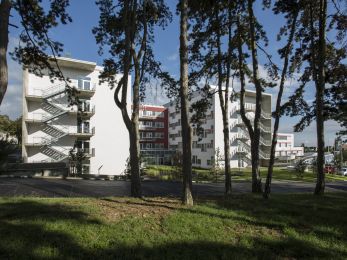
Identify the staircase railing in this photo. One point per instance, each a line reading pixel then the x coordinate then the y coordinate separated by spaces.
pixel 57 109
pixel 54 90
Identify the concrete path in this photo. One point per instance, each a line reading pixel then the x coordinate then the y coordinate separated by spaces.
pixel 47 187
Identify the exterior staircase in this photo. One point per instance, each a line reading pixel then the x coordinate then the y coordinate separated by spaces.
pixel 56 155
pixel 55 109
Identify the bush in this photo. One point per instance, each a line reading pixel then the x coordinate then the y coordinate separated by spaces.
pixel 300 168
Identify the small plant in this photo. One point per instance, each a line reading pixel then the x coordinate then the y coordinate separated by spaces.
pixel 300 168
pixel 177 165
pixel 76 158
pixel 6 147
pixel 216 167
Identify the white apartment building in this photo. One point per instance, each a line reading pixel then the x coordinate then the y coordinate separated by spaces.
pixel 285 149
pixel 51 128
pixel 204 150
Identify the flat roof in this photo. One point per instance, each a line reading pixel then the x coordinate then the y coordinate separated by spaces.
pixel 253 92
pixel 76 64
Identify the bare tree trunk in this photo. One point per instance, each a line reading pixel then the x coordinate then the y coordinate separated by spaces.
pixel 241 68
pixel 186 128
pixel 224 101
pixel 5 8
pixel 136 190
pixel 267 190
pixel 226 153
pixel 256 180
pixel 320 85
pixel 122 87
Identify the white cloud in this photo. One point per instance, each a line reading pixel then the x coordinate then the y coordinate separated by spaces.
pixel 173 57
pixel 309 135
pixel 12 103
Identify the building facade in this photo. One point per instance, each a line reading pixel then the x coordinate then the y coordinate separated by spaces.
pixel 204 149
pixel 285 149
pixel 52 128
pixel 153 126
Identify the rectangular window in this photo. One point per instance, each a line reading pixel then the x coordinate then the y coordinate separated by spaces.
pixel 86 85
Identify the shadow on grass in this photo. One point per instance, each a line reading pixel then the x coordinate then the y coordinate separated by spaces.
pixel 38 230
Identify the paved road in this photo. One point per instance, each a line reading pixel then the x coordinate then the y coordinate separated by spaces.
pixel 97 188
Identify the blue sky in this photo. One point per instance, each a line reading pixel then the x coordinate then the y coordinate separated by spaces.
pixel 79 43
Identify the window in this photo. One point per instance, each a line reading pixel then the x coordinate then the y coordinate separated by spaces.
pixel 159 135
pixel 194 159
pixel 84 83
pixel 159 146
pixel 85 169
pixel 83 127
pixel 208 162
pixel 159 124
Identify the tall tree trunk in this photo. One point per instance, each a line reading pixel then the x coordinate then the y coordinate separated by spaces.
pixel 267 190
pixel 241 68
pixel 256 180
pixel 226 151
pixel 320 86
pixel 122 87
pixel 136 190
pixel 5 8
pixel 186 128
pixel 223 101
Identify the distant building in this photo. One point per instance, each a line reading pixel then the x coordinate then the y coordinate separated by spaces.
pixel 204 148
pixel 285 149
pixel 153 128
pixel 309 158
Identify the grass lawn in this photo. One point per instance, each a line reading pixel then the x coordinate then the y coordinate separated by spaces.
pixel 164 172
pixel 245 226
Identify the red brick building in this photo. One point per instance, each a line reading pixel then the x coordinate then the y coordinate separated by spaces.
pixel 154 134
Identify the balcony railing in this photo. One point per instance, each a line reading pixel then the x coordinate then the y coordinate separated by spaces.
pixel 87 110
pixel 85 130
pixel 87 151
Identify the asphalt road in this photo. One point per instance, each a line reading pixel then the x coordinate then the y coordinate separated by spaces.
pixel 48 187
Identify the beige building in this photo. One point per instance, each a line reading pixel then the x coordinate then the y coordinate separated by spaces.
pixel 285 149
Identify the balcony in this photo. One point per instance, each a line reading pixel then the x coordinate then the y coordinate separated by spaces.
pixel 151 139
pixel 86 92
pixel 87 151
pixel 156 116
pixel 240 136
pixel 241 150
pixel 84 111
pixel 84 132
pixel 150 127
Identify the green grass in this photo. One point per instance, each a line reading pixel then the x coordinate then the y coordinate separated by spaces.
pixel 245 226
pixel 164 172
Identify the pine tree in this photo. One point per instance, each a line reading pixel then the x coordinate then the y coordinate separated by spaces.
pixel 126 29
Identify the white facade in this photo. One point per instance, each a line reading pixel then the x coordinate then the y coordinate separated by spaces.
pixel 51 127
pixel 285 149
pixel 204 150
